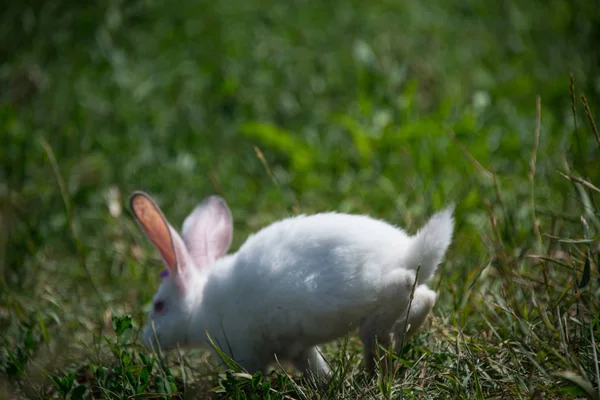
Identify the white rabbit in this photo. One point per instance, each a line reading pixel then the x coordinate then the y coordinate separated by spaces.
pixel 298 283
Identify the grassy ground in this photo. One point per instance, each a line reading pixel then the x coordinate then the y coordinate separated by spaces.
pixel 387 108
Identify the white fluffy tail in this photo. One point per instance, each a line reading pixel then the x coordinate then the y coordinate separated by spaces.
pixel 430 244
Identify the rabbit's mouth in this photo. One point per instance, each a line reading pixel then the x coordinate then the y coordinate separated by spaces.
pixel 151 338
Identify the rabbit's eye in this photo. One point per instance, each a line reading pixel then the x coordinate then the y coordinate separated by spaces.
pixel 159 306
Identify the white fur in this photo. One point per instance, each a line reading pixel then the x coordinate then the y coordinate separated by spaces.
pixel 298 283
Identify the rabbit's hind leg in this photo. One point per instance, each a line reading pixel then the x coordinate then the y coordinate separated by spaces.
pixel 376 329
pixel 422 303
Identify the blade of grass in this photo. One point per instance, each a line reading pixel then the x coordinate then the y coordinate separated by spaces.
pixel 590 118
pixel 263 160
pixel 573 109
pixel 595 354
pixel 469 156
pixel 581 181
pixel 229 362
pixel 580 382
pixel 70 217
pixel 410 300
pixel 532 167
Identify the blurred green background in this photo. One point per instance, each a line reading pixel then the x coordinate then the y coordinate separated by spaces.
pixel 279 107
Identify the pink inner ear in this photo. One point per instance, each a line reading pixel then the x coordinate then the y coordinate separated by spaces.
pixel 207 231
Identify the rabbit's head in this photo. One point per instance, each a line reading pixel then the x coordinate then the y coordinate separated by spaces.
pixel 206 236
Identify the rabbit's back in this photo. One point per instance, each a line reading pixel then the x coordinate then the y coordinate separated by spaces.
pixel 306 273
pixel 306 247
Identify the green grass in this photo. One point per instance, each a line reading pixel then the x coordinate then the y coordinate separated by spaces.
pixel 387 108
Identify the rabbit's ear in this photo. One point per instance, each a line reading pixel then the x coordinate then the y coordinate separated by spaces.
pixel 158 230
pixel 208 230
